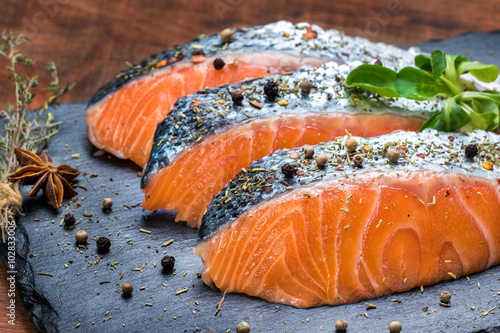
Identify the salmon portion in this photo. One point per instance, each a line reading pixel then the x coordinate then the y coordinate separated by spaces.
pixel 189 182
pixel 345 241
pixel 124 122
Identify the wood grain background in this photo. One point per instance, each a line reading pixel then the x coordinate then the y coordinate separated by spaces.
pixel 91 40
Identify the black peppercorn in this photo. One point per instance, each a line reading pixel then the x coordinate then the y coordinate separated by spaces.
pixel 219 63
pixel 167 262
pixel 103 243
pixel 470 151
pixel 271 90
pixel 69 220
pixel 237 97
pixel 288 170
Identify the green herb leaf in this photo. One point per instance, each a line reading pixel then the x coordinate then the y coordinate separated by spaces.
pixel 374 78
pixel 483 72
pixel 450 119
pixel 423 61
pixel 413 83
pixel 438 63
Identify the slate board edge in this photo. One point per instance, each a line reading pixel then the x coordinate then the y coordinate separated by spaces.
pixel 35 303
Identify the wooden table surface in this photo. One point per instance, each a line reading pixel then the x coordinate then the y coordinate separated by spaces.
pixel 90 40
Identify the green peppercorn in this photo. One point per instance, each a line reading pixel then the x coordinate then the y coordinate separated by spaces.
pixel 351 144
pixel 358 160
pixel 395 327
pixel 321 160
pixel 127 289
pixel 81 236
pixel 309 152
pixel 445 296
pixel 306 86
pixel 107 203
pixel 393 155
pixel 243 327
pixel 226 36
pixel 341 325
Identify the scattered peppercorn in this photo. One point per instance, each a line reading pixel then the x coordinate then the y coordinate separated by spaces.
pixel 271 90
pixel 351 144
pixel 341 325
pixel 168 262
pixel 288 170
pixel 127 289
pixel 306 86
pixel 358 160
pixel 321 160
pixel 309 152
pixel 395 327
pixel 226 36
pixel 237 97
pixel 445 296
pixel 393 155
pixel 470 151
pixel 219 63
pixel 69 220
pixel 103 243
pixel 107 203
pixel 378 62
pixel 243 327
pixel 81 236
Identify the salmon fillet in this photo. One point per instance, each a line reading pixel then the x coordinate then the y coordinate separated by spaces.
pixel 122 115
pixel 340 235
pixel 207 139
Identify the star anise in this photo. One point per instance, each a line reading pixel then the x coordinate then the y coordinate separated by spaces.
pixel 41 172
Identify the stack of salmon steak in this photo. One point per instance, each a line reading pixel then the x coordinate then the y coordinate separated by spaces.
pixel 305 192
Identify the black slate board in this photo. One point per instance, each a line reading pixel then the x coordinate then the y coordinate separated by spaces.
pixel 74 294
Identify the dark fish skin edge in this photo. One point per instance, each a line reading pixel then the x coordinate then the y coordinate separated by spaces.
pixel 426 151
pixel 246 40
pixel 182 127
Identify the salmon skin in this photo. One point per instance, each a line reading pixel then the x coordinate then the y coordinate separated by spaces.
pixel 207 139
pixel 341 234
pixel 123 114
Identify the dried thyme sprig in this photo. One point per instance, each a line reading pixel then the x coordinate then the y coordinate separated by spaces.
pixel 24 125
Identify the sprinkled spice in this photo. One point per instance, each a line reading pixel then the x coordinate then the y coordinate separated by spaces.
pixel 321 160
pixel 237 97
pixel 393 155
pixel 288 170
pixel 69 220
pixel 168 262
pixel 351 144
pixel 271 90
pixel 127 289
pixel 309 152
pixel 470 151
pixel 226 36
pixel 445 296
pixel 306 86
pixel 243 327
pixel 81 236
pixel 341 325
pixel 107 203
pixel 219 63
pixel 103 243
pixel 395 327
pixel 487 165
pixel 358 160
